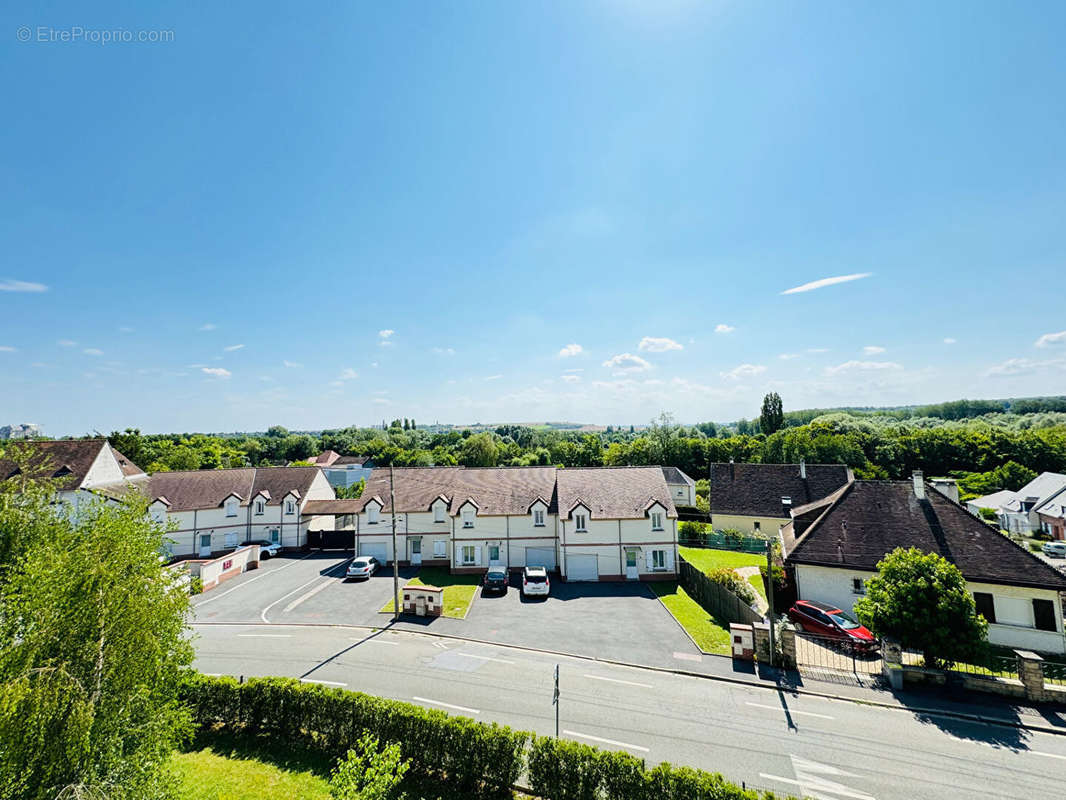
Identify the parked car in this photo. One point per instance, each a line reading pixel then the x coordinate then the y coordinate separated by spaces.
pixel 535 581
pixel 362 567
pixel 496 580
pixel 267 548
pixel 1054 549
pixel 829 621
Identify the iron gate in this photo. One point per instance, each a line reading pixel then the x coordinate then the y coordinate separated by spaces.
pixel 826 658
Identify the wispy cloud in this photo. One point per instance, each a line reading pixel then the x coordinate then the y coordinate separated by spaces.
pixel 949 340
pixel 385 337
pixel 571 350
pixel 873 350
pixel 571 378
pixel 817 349
pixel 1024 366
pixel 444 351
pixel 92 351
pixel 653 344
pixel 67 343
pixel 381 401
pixel 493 377
pixel 125 329
pixel 862 366
pixel 4 348
pixel 626 363
pixel 348 374
pixel 10 285
pixel 233 347
pixel 216 372
pixel 823 282
pixel 291 364
pixel 788 356
pixel 1051 339
pixel 744 371
pixel 208 326
pixel 575 369
pixel 721 327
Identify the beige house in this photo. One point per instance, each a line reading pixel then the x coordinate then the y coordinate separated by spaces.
pixel 587 524
pixel 757 499
pixel 682 487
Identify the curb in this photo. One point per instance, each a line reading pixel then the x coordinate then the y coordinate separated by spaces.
pixel 792 690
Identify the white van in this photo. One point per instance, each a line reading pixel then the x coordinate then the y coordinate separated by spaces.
pixel 1055 549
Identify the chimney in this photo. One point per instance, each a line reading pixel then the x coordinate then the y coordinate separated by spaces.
pixel 803 469
pixel 919 484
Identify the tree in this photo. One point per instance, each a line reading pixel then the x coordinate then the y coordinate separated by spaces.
pixel 664 436
pixel 369 772
pixel 922 600
pixel 479 450
pixel 772 416
pixel 92 646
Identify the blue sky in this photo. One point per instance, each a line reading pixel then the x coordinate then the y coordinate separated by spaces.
pixel 526 211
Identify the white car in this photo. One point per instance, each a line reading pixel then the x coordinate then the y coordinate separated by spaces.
pixel 535 581
pixel 362 567
pixel 1055 549
pixel 267 548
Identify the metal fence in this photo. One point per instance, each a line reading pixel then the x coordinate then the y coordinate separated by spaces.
pixel 827 658
pixel 715 599
pixel 719 540
pixel 1054 672
pixel 993 666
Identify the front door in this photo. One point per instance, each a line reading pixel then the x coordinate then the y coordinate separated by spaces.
pixel 631 565
pixel 205 545
pixel 416 552
pixel 494 555
pixel 275 536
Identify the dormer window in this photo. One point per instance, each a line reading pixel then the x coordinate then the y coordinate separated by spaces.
pixel 231 507
pixel 290 507
pixel 438 512
pixel 468 518
pixel 538 517
pixel 372 514
pixel 656 521
pixel 258 507
pixel 580 523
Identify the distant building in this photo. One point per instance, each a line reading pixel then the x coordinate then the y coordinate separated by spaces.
pixel 342 470
pixel 1020 511
pixel 27 430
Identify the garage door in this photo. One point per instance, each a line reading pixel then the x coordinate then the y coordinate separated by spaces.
pixel 582 568
pixel 376 549
pixel 540 557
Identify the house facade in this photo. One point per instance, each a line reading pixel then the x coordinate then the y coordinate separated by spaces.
pixel 757 499
pixel 213 511
pixel 593 524
pixel 1051 515
pixel 343 471
pixel 1019 512
pixel 832 547
pixel 682 487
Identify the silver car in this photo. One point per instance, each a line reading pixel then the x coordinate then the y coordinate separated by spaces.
pixel 267 548
pixel 362 567
pixel 1055 549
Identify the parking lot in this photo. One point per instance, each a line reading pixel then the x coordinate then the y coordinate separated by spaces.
pixel 618 621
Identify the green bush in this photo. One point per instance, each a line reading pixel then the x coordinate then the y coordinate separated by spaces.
pixel 369 772
pixel 726 577
pixel 196 585
pixel 691 531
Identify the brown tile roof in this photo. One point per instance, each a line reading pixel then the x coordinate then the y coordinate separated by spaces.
pixel 349 460
pixel 614 492
pixel 871 518
pixel 207 488
pixel 416 487
pixel 324 459
pixel 331 507
pixel 129 469
pixel 65 459
pixel 755 490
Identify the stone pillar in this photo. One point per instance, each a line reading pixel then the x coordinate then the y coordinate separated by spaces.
pixel 787 637
pixel 1031 673
pixel 762 641
pixel 892 664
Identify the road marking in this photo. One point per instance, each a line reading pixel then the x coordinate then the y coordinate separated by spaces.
pixel 607 741
pixel 213 674
pixel 328 683
pixel 264 635
pixel 214 597
pixel 688 657
pixel 307 596
pixel 446 705
pixel 263 613
pixel 1046 755
pixel 483 658
pixel 618 680
pixel 441 645
pixel 790 711
pixel 812 783
pixel 374 639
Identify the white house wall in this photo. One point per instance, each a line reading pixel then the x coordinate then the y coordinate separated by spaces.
pixel 105 469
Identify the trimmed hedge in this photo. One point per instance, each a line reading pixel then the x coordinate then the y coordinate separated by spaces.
pixel 470 754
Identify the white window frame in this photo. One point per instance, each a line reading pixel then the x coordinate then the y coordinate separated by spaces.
pixel 231 507
pixel 472 560
pixel 757 526
pixel 538 517
pixel 468 518
pixel 656 520
pixel 440 548
pixel 580 523
pixel 658 560
pixel 230 539
pixel 372 514
pixel 259 507
pixel 438 512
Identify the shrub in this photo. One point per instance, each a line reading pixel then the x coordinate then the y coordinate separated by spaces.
pixel 196 585
pixel 724 576
pixel 691 530
pixel 369 772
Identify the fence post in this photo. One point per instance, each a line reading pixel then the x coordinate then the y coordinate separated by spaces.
pixel 892 662
pixel 788 648
pixel 1031 674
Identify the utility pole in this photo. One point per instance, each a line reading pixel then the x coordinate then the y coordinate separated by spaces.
pixel 770 593
pixel 395 553
pixel 555 701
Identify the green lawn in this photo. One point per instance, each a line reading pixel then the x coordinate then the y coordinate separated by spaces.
pixel 710 634
pixel 459 590
pixel 709 560
pixel 756 582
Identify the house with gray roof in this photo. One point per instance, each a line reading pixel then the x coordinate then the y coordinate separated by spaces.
pixel 1019 512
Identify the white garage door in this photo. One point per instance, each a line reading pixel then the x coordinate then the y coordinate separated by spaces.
pixel 540 557
pixel 582 568
pixel 376 549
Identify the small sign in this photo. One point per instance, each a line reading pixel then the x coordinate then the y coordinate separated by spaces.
pixel 227 564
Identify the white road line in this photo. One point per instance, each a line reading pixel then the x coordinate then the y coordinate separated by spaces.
pixel 790 711
pixel 1046 755
pixel 264 635
pixel 263 613
pixel 446 705
pixel 688 657
pixel 607 741
pixel 482 658
pixel 375 640
pixel 307 596
pixel 328 683
pixel 617 680
pixel 214 597
pixel 213 674
pixel 441 645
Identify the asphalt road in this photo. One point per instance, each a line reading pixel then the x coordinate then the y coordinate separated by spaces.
pixel 836 750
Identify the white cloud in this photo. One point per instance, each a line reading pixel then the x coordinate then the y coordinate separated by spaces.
pixel 949 340
pixel 817 349
pixel 10 285
pixel 721 327
pixel 822 282
pixel 4 348
pixel 571 350
pixel 862 366
pixel 625 363
pixel 217 372
pixel 336 383
pixel 572 378
pixel 381 401
pixel 92 351
pixel 208 326
pixel 374 364
pixel 873 350
pixel 233 347
pixel 575 369
pixel 291 364
pixel 654 344
pixel 384 336
pixel 67 343
pixel 744 371
pixel 125 329
pixel 1023 366
pixel 788 356
pixel 348 374
pixel 444 351
pixel 1051 339
pixel 493 377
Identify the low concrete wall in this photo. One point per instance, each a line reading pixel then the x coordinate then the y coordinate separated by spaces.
pixel 214 571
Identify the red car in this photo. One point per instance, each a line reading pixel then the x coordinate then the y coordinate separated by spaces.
pixel 829 621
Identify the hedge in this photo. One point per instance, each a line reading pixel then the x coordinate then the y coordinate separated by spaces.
pixel 470 754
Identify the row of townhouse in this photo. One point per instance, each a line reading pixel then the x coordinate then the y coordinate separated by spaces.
pixel 594 524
